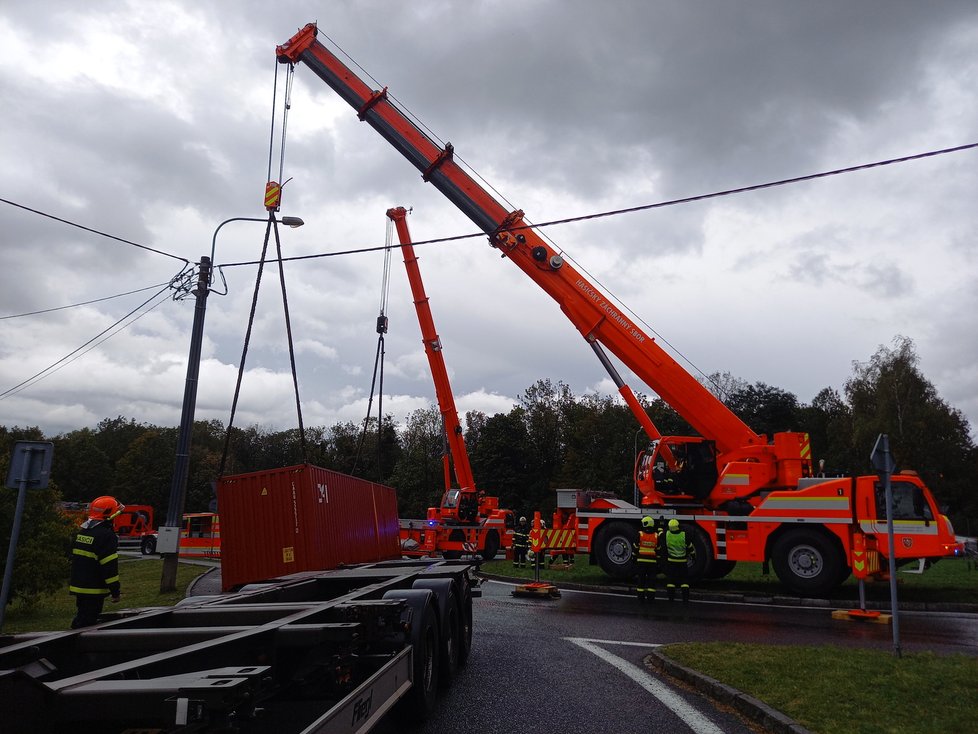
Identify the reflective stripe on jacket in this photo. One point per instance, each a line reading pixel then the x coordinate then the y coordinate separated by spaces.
pixel 647 545
pixel 521 538
pixel 94 560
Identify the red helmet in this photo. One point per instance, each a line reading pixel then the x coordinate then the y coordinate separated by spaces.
pixel 104 508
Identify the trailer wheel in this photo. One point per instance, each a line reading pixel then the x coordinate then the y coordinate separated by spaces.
pixel 148 546
pixel 449 633
pixel 614 549
pixel 491 547
pixel 465 621
pixel 419 701
pixel 807 562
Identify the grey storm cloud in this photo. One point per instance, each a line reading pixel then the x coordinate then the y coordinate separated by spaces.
pixel 152 123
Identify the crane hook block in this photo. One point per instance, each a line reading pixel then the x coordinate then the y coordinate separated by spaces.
pixel 273 196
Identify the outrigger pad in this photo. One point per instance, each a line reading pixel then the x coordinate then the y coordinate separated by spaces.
pixel 538 590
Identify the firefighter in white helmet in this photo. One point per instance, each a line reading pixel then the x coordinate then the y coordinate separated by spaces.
pixel 521 543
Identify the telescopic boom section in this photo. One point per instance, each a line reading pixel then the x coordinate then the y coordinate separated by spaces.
pixel 595 316
pixel 432 349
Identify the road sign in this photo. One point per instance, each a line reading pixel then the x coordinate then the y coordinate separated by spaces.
pixel 30 462
pixel 881 457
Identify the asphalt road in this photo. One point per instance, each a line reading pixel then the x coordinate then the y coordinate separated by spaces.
pixel 576 664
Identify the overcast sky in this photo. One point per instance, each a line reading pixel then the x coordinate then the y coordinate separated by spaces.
pixel 151 121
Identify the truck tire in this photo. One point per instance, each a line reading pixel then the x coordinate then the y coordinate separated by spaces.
pixel 420 699
pixel 148 546
pixel 449 630
pixel 700 565
pixel 491 546
pixel 808 562
pixel 613 549
pixel 720 568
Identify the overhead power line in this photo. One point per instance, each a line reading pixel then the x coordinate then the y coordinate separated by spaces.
pixel 94 231
pixel 98 339
pixel 83 303
pixel 642 207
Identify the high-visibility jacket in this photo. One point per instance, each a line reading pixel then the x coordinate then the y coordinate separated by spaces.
pixel 647 546
pixel 678 548
pixel 521 537
pixel 95 560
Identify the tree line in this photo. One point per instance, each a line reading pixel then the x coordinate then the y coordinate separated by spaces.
pixel 550 439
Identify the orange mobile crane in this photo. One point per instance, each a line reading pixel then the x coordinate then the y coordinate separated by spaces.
pixel 739 495
pixel 468 520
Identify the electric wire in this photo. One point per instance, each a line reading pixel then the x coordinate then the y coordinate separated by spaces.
pixel 90 344
pixel 639 208
pixel 94 231
pixel 83 303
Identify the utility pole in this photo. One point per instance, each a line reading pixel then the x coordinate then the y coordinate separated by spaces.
pixel 169 536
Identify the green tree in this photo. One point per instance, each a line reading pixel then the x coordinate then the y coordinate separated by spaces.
pixel 765 409
pixel 828 422
pixel 601 441
pixel 41 562
pixel 888 394
pixel 418 475
pixel 83 470
pixel 144 474
pixel 500 461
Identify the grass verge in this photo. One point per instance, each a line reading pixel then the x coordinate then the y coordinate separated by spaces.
pixel 140 588
pixel 831 689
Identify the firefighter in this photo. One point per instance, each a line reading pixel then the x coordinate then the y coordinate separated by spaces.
pixel 645 555
pixel 678 550
pixel 521 543
pixel 95 562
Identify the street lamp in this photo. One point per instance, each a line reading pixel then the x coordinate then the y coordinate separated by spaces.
pixel 293 222
pixel 168 544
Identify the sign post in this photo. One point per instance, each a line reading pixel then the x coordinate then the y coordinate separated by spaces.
pixel 884 464
pixel 30 466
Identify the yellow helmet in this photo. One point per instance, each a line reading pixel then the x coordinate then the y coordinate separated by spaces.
pixel 648 522
pixel 674 524
pixel 104 508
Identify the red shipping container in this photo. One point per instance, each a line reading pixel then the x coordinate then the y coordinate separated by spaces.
pixel 302 518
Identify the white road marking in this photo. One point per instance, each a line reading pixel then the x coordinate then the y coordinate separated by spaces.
pixel 687 714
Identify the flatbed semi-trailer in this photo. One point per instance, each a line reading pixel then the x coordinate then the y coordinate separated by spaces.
pixel 330 651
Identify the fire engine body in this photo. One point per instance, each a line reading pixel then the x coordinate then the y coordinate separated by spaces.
pixel 468 520
pixel 200 537
pixel 740 496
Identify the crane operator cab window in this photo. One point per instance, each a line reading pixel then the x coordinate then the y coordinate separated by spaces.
pixel 450 500
pixel 909 502
pixel 695 470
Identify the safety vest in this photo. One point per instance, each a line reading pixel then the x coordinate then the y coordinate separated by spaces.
pixel 676 545
pixel 647 542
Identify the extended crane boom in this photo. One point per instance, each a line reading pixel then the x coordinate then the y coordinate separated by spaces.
pixel 739 496
pixel 432 349
pixel 467 519
pixel 598 320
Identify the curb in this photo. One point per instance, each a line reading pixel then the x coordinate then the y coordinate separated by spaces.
pixel 757 711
